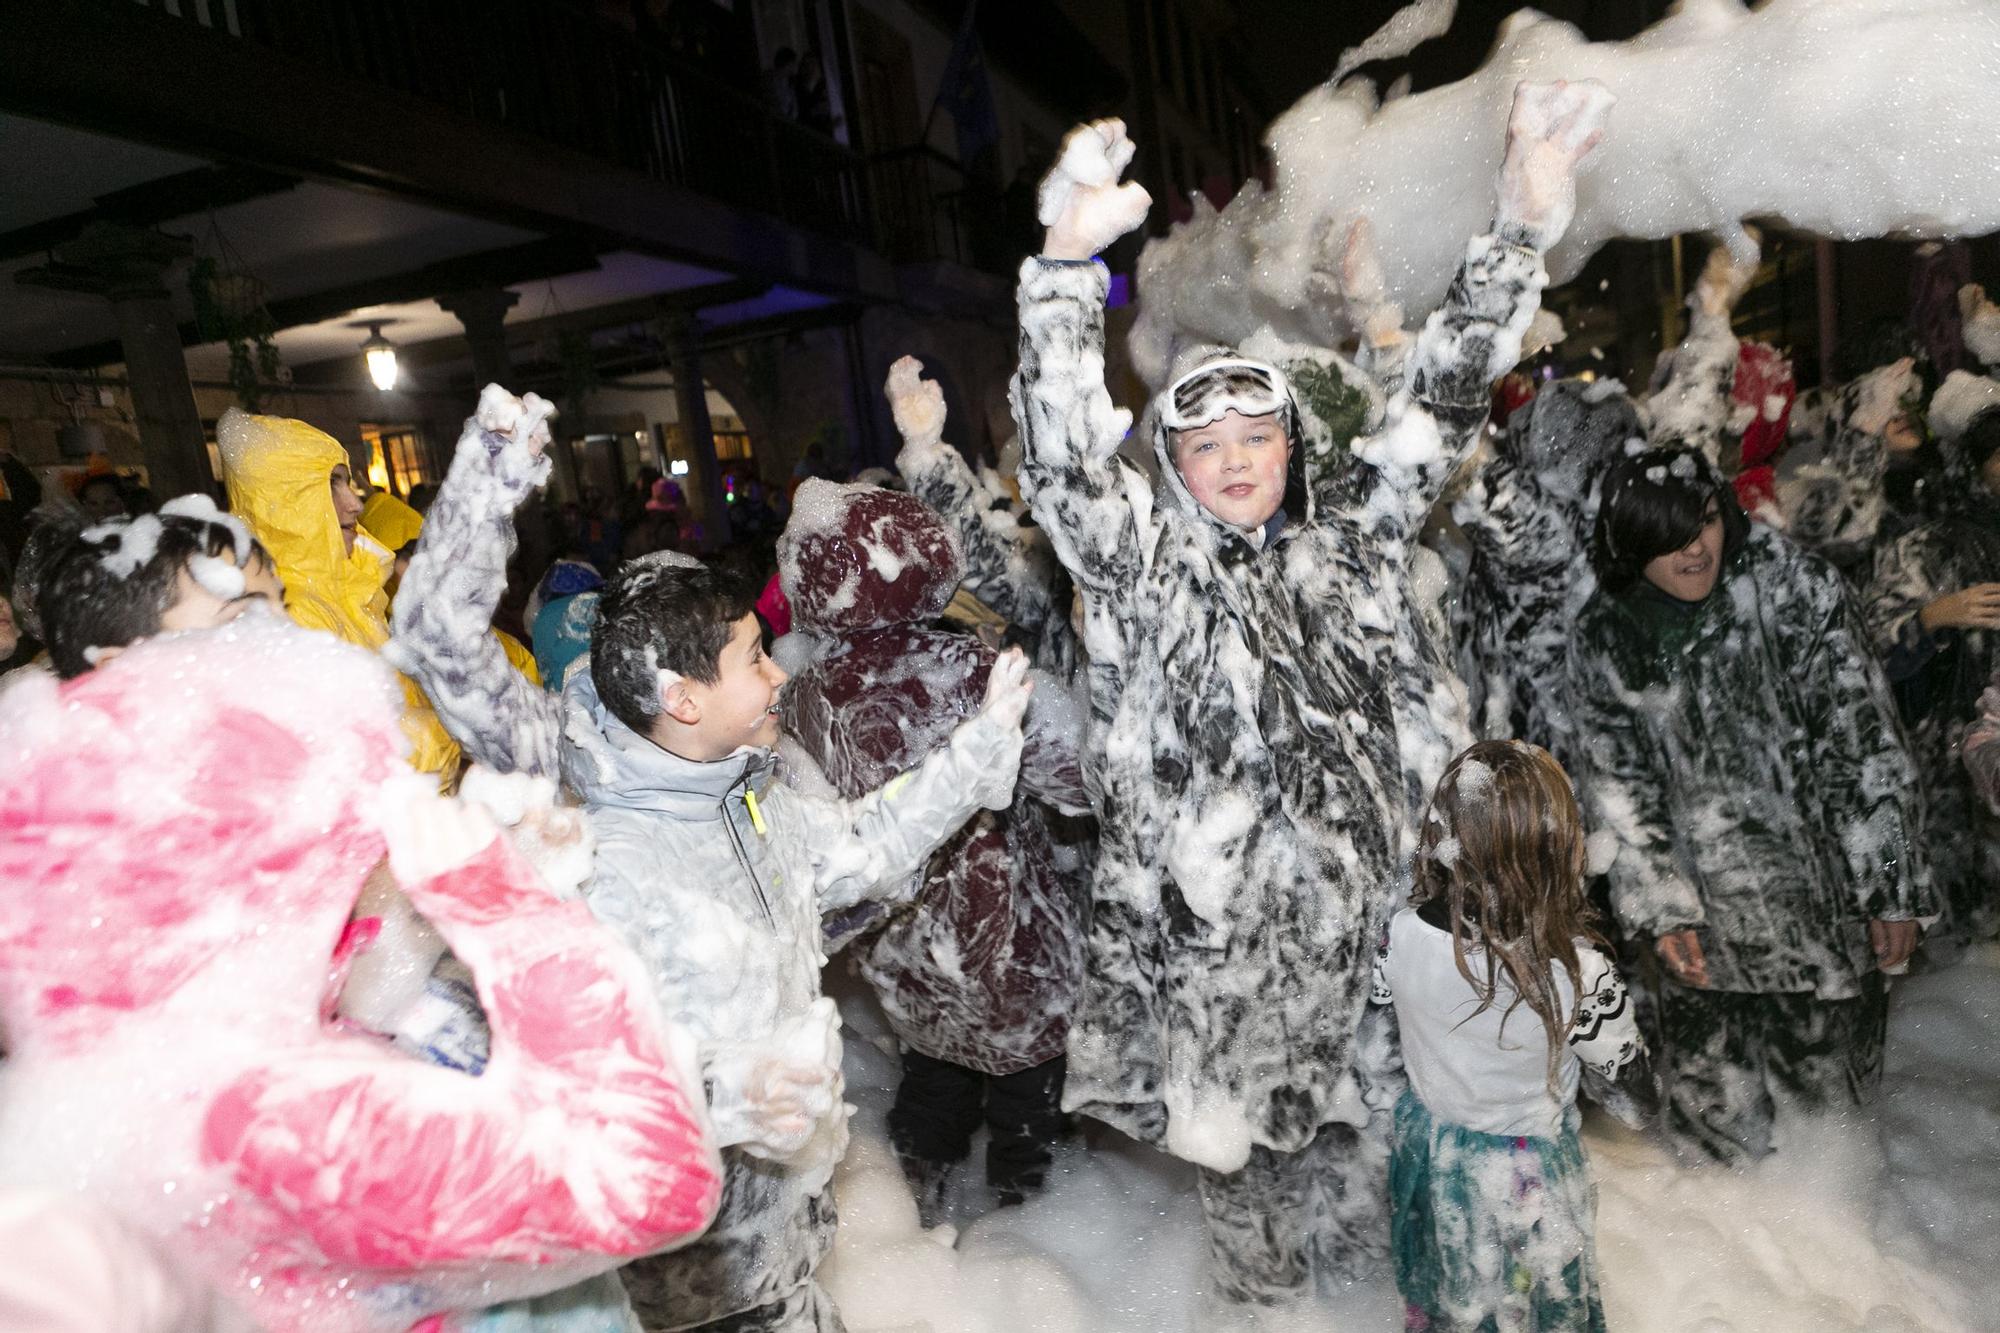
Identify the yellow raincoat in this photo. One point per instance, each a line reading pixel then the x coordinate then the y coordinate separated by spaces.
pixel 391 522
pixel 279 472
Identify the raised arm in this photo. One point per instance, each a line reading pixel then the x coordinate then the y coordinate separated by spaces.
pixel 1008 566
pixel 1475 337
pixel 873 846
pixel 1692 408
pixel 1835 507
pixel 446 603
pixel 583 1140
pixel 1097 511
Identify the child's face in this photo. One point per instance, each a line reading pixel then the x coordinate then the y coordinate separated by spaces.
pixel 196 607
pixel 10 633
pixel 1689 574
pixel 741 708
pixel 1235 467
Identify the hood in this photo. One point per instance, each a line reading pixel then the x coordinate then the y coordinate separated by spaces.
pixel 391 522
pixel 856 558
pixel 1571 431
pixel 278 473
pixel 1962 415
pixel 610 766
pixel 1331 404
pixel 1762 395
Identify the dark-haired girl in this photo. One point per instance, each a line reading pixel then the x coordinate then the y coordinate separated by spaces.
pixel 1507 999
pixel 1746 757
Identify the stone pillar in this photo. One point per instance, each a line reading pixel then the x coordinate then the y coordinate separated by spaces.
pixel 482 313
pixel 128 267
pixel 697 432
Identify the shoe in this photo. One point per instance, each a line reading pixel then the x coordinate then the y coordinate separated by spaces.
pixel 928 1181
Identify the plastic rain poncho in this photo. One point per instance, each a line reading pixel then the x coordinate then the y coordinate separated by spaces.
pixel 185 831
pixel 1253 719
pixel 279 474
pixel 1745 754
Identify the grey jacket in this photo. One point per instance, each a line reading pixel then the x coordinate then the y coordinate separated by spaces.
pixel 721 899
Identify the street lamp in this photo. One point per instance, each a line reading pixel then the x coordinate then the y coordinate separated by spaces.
pixel 381 356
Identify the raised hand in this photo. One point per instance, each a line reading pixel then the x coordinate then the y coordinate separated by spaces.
pixel 1552 127
pixel 524 420
pixel 1882 395
pixel 1081 202
pixel 1725 278
pixel 916 403
pixel 1008 689
pixel 1365 290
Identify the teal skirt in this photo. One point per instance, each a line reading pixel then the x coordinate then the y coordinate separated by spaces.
pixel 1492 1233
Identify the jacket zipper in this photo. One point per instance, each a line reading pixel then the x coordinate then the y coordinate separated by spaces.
pixel 743 856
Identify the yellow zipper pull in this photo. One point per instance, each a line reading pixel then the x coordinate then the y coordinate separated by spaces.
pixel 756 815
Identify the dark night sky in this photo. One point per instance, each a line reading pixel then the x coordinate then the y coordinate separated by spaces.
pixel 1294 43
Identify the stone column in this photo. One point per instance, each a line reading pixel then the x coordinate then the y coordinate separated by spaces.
pixel 128 267
pixel 697 432
pixel 482 313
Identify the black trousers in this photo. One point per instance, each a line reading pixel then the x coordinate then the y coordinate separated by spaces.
pixel 939 1105
pixel 1727 1054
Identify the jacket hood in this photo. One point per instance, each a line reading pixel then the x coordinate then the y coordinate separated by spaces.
pixel 1763 393
pixel 1572 431
pixel 856 558
pixel 609 765
pixel 278 473
pixel 391 522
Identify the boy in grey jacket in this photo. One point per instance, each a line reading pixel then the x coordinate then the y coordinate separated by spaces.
pixel 713 869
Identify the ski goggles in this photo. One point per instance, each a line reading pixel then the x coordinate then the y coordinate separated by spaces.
pixel 1235 384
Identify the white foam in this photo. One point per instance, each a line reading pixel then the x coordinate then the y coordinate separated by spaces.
pixel 1804 110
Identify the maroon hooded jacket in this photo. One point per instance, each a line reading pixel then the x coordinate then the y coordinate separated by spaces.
pixel 982 967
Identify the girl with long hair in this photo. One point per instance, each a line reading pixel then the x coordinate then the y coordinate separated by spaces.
pixel 1507 998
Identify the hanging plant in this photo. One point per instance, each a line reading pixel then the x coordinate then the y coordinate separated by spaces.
pixel 229 307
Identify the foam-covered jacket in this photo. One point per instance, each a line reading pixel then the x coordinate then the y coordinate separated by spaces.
pixel 1938 677
pixel 721 899
pixel 1836 501
pixel 1252 723
pixel 1746 757
pixel 1528 511
pixel 981 966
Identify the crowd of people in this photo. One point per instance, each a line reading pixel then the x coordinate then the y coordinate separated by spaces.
pixel 1328 793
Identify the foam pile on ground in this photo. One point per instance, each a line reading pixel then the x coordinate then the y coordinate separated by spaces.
pixel 1884 1222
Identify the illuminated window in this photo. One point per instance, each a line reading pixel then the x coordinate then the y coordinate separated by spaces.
pixel 397 459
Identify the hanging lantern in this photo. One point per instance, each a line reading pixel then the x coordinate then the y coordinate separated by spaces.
pixel 381 357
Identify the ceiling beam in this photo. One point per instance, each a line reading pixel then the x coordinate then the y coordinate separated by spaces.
pixel 638 310
pixel 148 204
pixel 505 267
